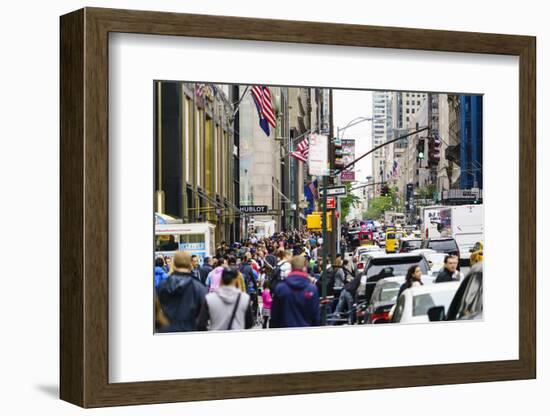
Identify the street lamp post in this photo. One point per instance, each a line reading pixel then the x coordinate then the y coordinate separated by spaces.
pixel 339 130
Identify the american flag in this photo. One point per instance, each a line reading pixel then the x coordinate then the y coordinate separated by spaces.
pixel 313 188
pixel 199 90
pixel 302 150
pixel 266 114
pixel 394 168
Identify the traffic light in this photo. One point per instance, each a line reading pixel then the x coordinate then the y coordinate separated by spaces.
pixel 338 153
pixel 385 191
pixel 420 149
pixel 434 150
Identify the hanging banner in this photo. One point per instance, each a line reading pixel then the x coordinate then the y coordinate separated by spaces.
pixel 348 156
pixel 318 155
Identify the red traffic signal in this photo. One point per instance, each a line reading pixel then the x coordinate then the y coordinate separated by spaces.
pixel 434 151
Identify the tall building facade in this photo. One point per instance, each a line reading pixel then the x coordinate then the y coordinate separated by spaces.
pixel 380 132
pixel 471 135
pixel 259 161
pixel 402 118
pixel 195 159
pixel 448 170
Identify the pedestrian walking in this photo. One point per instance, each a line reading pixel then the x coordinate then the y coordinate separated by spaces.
pixel 181 295
pixel 345 300
pixel 195 267
pixel 267 301
pixel 205 269
pixel 160 271
pixel 215 276
pixel 413 278
pixel 296 300
pixel 450 272
pixel 226 309
pixel 250 280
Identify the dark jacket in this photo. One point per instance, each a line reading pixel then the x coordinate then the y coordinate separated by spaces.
pixel 160 275
pixel 296 302
pixel 272 260
pixel 444 276
pixel 249 277
pixel 181 296
pixel 203 272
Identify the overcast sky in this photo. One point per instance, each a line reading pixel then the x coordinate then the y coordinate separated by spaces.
pixel 347 105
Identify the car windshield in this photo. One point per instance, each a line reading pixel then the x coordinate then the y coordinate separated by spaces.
pixel 412 243
pixel 440 245
pixel 387 267
pixel 422 303
pixel 388 292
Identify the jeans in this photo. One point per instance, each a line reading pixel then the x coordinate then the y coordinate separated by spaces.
pixel 347 300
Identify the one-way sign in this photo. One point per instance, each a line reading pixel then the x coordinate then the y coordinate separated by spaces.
pixel 339 190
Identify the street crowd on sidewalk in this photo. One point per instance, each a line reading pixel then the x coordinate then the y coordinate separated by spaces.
pixel 268 282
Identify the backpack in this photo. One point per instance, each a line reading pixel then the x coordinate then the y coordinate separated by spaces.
pixel 276 277
pixel 249 281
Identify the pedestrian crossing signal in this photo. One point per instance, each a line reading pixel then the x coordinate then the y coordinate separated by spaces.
pixel 314 221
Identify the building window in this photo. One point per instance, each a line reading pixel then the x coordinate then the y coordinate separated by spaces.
pixel 407 111
pixel 199 148
pixel 412 110
pixel 187 135
pixel 418 102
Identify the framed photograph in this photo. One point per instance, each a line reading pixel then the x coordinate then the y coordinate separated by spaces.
pixel 244 202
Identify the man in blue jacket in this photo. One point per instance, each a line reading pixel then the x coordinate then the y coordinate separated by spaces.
pixel 296 300
pixel 181 295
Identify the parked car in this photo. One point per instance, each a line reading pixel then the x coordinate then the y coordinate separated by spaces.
pixel 364 257
pixel 445 245
pixel 380 265
pixel 383 298
pixel 414 303
pixel 409 244
pixel 467 303
pixel 392 239
pixel 435 260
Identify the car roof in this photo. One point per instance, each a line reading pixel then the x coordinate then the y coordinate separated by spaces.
pixel 423 251
pixel 382 253
pixel 440 238
pixel 436 287
pixel 395 279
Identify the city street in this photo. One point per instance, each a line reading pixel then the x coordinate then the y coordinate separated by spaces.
pixel 298 206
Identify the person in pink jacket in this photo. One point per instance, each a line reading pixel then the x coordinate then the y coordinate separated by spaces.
pixel 266 304
pixel 215 276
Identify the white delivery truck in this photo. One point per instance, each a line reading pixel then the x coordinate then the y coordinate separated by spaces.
pixel 394 218
pixel 431 219
pixel 465 224
pixel 197 238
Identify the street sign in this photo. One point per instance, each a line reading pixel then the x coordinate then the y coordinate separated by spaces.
pixel 331 202
pixel 335 191
pixel 253 209
pixel 318 155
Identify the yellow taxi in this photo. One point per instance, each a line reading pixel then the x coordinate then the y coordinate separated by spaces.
pixel 392 240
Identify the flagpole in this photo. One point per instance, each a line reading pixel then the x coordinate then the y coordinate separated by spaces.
pixel 238 103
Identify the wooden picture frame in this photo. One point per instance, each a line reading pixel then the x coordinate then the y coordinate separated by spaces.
pixel 84 207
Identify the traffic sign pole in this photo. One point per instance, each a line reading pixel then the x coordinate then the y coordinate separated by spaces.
pixel 325 255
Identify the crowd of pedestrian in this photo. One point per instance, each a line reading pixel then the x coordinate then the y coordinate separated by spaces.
pixel 269 282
